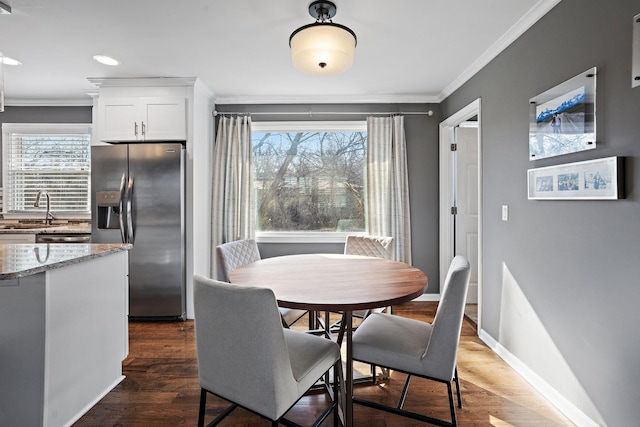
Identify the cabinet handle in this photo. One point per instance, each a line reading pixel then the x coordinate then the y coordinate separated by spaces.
pixel 143 128
pixel 135 128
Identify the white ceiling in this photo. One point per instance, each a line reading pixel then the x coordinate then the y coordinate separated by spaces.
pixel 408 50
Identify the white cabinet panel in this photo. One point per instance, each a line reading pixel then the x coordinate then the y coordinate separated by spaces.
pixel 142 119
pixel 118 119
pixel 165 119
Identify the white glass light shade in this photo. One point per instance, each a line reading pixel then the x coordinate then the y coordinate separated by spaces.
pixel 323 48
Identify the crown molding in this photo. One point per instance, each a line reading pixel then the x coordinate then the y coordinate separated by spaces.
pixel 519 28
pixel 48 102
pixel 328 99
pixel 204 89
pixel 142 81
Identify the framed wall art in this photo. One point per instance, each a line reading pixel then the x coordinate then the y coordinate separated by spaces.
pixel 562 120
pixel 588 180
pixel 635 56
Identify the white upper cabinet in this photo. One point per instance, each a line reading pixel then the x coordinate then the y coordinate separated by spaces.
pixel 142 119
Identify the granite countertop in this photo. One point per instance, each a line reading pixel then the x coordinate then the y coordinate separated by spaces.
pixel 23 228
pixel 19 260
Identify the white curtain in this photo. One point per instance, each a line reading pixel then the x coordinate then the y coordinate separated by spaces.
pixel 232 196
pixel 388 183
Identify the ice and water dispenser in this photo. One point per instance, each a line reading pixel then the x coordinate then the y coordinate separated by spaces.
pixel 108 203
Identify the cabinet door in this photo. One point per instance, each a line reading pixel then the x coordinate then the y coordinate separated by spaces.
pixel 164 118
pixel 118 119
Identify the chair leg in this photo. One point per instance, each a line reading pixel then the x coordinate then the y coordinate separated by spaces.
pixel 458 387
pixel 336 392
pixel 203 404
pixel 413 415
pixel 452 407
pixel 343 327
pixel 202 410
pixel 403 395
pixel 373 374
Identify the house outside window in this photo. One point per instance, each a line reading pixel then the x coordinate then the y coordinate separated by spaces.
pixel 55 158
pixel 309 180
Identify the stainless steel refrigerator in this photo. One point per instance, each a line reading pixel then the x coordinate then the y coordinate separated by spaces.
pixel 138 198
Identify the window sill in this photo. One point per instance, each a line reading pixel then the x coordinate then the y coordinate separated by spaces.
pixel 304 237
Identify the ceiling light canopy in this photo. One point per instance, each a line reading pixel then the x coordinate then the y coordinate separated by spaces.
pixel 323 47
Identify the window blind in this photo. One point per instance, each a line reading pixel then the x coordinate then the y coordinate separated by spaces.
pixel 52 158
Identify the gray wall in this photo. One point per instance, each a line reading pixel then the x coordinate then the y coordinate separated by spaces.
pixel 422 152
pixel 43 115
pixel 568 270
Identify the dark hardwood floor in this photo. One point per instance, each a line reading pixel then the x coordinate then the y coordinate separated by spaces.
pixel 161 387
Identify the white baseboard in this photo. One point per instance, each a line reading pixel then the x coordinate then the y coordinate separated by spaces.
pixel 428 297
pixel 574 414
pixel 472 295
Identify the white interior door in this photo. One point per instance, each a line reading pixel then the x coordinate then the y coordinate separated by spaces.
pixel 466 200
pixel 452 242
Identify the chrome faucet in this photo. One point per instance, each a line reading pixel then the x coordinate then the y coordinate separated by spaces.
pixel 48 218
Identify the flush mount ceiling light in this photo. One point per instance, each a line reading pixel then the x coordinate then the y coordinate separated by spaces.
pixel 323 47
pixel 106 60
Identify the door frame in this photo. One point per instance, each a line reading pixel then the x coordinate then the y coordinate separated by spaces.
pixel 447 236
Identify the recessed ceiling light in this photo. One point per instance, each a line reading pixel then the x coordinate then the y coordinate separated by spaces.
pixel 10 61
pixel 106 60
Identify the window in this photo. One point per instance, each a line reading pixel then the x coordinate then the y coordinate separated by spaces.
pixel 309 179
pixel 55 158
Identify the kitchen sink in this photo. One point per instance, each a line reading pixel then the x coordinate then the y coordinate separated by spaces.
pixel 63 238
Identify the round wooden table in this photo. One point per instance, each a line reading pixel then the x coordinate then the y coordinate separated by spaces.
pixel 335 282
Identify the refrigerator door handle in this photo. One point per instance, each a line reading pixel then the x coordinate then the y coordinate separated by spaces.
pixel 130 229
pixel 123 195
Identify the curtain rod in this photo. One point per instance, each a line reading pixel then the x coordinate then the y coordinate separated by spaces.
pixel 322 113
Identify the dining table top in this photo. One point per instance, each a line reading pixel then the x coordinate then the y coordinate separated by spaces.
pixel 333 282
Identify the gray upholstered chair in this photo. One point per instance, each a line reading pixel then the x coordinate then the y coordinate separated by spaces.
pixel 241 252
pixel 374 246
pixel 265 369
pixel 419 348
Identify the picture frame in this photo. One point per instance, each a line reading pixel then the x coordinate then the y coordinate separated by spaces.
pixel 635 56
pixel 600 179
pixel 562 120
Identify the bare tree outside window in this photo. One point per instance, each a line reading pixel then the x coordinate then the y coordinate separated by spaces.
pixel 55 158
pixel 310 181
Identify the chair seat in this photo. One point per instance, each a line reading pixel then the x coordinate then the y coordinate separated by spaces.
pixel 387 340
pixel 310 357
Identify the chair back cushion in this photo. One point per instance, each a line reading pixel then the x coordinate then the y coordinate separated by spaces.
pixel 236 254
pixel 374 246
pixel 440 355
pixel 241 348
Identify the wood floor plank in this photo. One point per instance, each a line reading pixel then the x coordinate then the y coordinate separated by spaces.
pixel 161 387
